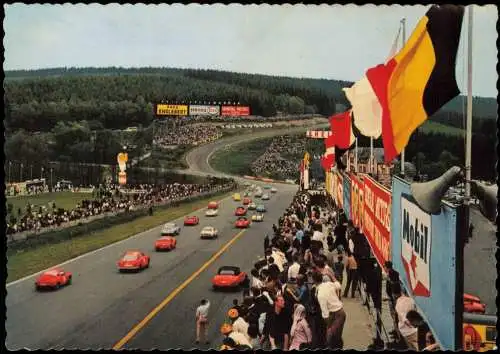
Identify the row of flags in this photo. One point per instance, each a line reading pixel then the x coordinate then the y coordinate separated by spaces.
pixel 393 99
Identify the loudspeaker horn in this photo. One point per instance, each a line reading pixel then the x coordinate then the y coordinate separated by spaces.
pixel 487 196
pixel 428 195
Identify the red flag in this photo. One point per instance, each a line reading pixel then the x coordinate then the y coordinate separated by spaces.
pixel 341 127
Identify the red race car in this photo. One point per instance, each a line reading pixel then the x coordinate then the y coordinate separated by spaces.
pixel 242 223
pixel 213 205
pixel 246 201
pixel 133 260
pixel 473 304
pixel 240 211
pixel 53 279
pixel 229 277
pixel 191 220
pixel 165 243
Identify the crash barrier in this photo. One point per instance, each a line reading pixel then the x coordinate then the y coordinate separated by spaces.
pixel 269 180
pixel 248 125
pixel 107 220
pixel 83 190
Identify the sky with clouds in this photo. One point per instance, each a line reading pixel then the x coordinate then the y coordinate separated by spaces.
pixel 325 41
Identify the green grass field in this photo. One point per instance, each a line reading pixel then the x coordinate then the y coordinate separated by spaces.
pixel 23 263
pixel 65 200
pixel 434 127
pixel 236 159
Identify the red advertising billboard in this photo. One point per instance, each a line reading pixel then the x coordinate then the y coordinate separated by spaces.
pixel 339 189
pixel 377 219
pixel 235 110
pixel 357 201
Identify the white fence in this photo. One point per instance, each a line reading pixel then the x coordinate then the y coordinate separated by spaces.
pixel 247 126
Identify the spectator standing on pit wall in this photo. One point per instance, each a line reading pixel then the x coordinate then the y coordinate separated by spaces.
pixel 202 321
pixel 332 310
pixel 352 274
pixel 405 304
pixel 300 334
pixel 278 325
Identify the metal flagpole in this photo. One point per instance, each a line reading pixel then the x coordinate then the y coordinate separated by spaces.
pixel 403 22
pixel 371 154
pixel 468 135
pixel 356 156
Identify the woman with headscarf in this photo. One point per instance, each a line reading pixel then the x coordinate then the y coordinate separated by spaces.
pixel 300 334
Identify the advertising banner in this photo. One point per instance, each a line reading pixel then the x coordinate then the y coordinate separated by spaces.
pixel 357 203
pixel 424 251
pixel 235 111
pixel 327 182
pixel 318 134
pixel 339 190
pixel 377 219
pixel 171 109
pixel 122 178
pixel 203 110
pixel 347 196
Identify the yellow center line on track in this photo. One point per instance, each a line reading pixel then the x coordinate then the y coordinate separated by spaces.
pixel 173 294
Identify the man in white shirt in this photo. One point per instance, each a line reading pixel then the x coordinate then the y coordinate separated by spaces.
pixel 332 310
pixel 241 326
pixel 293 270
pixel 405 304
pixel 202 320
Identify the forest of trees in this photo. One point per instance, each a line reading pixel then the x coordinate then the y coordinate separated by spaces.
pixel 73 114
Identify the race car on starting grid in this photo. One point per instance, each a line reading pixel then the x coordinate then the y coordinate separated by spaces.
pixel 53 279
pixel 261 208
pixel 229 277
pixel 240 211
pixel 242 223
pixel 165 243
pixel 209 232
pixel 133 260
pixel 258 217
pixel 191 220
pixel 211 212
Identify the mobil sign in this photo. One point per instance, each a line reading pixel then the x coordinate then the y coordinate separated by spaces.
pixel 424 251
pixel 416 241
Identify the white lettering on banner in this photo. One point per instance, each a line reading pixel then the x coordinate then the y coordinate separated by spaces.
pixel 416 246
pixel 383 213
pixel 203 110
pixel 368 225
pixel 369 198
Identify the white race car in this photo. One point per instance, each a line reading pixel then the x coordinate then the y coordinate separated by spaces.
pixel 211 212
pixel 170 229
pixel 258 217
pixel 252 206
pixel 265 197
pixel 258 194
pixel 273 190
pixel 209 232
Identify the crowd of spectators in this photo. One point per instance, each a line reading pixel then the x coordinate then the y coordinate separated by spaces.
pixel 281 158
pixel 241 119
pixel 109 200
pixel 294 298
pixel 185 134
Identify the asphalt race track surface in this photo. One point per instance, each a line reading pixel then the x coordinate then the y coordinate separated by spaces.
pixel 103 305
pixel 480 272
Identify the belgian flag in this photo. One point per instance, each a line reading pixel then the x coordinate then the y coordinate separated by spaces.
pixel 420 79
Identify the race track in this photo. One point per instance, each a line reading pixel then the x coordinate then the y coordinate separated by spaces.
pixel 102 305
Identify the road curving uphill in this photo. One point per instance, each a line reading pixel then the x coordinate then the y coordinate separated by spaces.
pixel 104 309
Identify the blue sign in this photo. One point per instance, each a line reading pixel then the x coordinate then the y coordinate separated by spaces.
pixel 423 252
pixel 347 196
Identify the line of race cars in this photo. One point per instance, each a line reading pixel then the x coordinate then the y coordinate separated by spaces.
pixel 136 260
